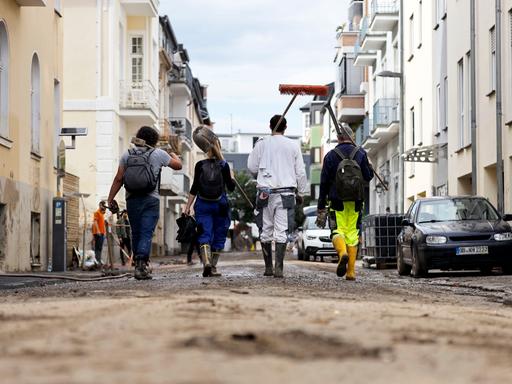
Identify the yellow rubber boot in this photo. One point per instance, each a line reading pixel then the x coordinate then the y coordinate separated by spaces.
pixel 351 270
pixel 341 249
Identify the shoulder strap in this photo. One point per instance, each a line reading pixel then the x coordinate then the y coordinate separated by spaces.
pixel 340 154
pixel 147 154
pixel 354 153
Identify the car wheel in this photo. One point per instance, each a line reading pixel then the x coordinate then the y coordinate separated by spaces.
pixel 300 252
pixel 418 266
pixel 306 255
pixel 402 268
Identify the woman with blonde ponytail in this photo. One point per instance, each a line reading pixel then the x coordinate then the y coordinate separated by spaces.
pixel 212 212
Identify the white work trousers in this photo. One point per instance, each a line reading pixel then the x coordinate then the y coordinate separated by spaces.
pixel 275 220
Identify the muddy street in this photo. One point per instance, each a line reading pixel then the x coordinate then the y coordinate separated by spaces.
pixel 310 327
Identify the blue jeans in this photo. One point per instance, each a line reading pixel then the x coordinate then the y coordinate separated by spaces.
pixel 143 212
pixel 214 218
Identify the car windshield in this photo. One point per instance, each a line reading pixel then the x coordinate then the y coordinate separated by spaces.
pixel 310 223
pixel 456 209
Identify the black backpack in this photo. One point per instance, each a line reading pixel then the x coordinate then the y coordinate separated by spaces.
pixel 139 177
pixel 349 178
pixel 211 182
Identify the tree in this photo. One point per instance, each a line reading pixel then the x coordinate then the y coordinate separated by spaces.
pixel 240 208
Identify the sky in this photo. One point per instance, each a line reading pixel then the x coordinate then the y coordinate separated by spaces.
pixel 243 50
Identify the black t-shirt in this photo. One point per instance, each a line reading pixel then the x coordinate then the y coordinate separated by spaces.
pixel 226 175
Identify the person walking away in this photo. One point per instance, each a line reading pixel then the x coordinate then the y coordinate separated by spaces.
pixel 122 230
pixel 277 163
pixel 212 177
pixel 139 171
pixel 99 230
pixel 345 172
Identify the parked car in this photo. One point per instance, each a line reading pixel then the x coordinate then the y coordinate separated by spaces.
pixel 310 210
pixel 453 233
pixel 314 241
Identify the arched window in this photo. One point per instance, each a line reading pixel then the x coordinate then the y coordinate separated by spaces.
pixel 4 81
pixel 35 105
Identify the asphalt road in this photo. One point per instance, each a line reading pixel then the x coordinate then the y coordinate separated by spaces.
pixel 244 328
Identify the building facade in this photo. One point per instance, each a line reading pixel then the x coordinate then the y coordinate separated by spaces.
pixel 377 49
pixel 30 114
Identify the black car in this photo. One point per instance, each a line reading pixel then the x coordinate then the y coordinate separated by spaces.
pixel 454 233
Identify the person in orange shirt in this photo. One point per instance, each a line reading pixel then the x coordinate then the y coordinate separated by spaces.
pixel 98 230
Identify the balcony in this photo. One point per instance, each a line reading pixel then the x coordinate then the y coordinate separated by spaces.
pixel 175 185
pixel 384 15
pixel 350 108
pixel 147 8
pixel 31 3
pixel 364 58
pixel 182 127
pixel 182 81
pixel 385 119
pixel 138 102
pixel 364 138
pixel 371 41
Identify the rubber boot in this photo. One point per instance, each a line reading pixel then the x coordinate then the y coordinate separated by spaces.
pixel 280 253
pixel 341 249
pixel 206 256
pixel 351 270
pixel 142 270
pixel 215 260
pixel 267 257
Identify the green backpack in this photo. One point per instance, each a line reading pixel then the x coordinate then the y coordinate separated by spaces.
pixel 349 178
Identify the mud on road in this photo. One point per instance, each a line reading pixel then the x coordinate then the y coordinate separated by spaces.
pixel 310 327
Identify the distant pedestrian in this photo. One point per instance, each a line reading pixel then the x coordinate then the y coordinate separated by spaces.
pixel 345 171
pixel 212 212
pixel 123 235
pixel 277 161
pixel 99 230
pixel 139 172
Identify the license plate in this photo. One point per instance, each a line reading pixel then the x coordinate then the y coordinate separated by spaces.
pixel 477 250
pixel 327 245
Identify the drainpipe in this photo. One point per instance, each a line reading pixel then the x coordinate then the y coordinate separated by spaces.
pixel 401 131
pixel 474 171
pixel 499 113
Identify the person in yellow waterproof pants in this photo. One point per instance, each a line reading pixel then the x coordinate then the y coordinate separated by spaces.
pixel 345 172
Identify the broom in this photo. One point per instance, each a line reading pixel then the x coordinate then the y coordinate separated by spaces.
pixel 317 90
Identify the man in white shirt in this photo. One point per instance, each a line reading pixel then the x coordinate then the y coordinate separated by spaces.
pixel 277 161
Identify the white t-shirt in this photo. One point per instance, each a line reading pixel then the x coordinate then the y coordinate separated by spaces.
pixel 279 164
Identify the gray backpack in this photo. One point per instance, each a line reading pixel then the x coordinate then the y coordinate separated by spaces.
pixel 349 178
pixel 139 178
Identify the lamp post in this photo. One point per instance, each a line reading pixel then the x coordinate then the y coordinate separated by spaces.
pixel 401 135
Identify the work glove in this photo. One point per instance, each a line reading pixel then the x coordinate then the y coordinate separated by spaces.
pixel 321 218
pixel 113 206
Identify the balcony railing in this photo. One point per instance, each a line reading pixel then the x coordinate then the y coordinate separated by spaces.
pixel 182 127
pixel 384 7
pixel 364 30
pixel 182 75
pixel 385 112
pixel 363 131
pixel 138 95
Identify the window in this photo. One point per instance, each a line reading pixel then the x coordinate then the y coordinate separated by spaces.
pixel 492 69
pixel 4 81
pixel 413 128
pixel 420 122
pixel 460 101
pixel 137 60
pixel 411 36
pixel 445 104
pixel 420 22
pixel 317 117
pixel 35 105
pixel 468 99
pixel 56 116
pixel 438 109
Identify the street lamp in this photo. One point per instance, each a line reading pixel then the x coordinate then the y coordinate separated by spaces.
pixel 401 135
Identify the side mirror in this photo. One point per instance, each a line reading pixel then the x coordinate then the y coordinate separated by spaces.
pixel 407 223
pixel 507 217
